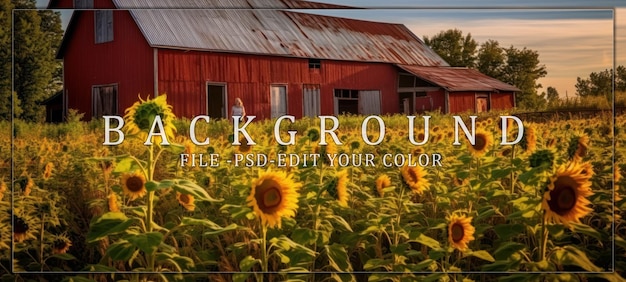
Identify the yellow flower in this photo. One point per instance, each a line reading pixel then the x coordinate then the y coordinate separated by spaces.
pixel 133 185
pixel 47 173
pixel 61 245
pixel 3 188
pixel 415 178
pixel 482 143
pixel 189 147
pixel 338 188
pixel 186 201
pixel 274 195
pixel 566 200
pixel 21 230
pixel 113 206
pixel 617 175
pixel 578 147
pixel 244 147
pixel 529 140
pixel 460 231
pixel 382 182
pixel 140 116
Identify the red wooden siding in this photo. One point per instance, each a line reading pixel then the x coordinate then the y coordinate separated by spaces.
pixel 69 4
pixel 501 101
pixel 462 102
pixel 183 76
pixel 127 61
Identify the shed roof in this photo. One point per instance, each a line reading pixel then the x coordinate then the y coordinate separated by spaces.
pixel 458 79
pixel 224 4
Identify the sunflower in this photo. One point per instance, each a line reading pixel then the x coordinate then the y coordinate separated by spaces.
pixel 274 195
pixel 529 140
pixel 460 231
pixel 134 185
pixel 21 230
pixel 244 147
pixel 338 188
pixel 587 169
pixel 28 186
pixel 482 143
pixel 47 172
pixel 189 147
pixel 3 188
pixel 140 116
pixel 415 178
pixel 113 206
pixel 617 175
pixel 578 147
pixel 382 182
pixel 186 201
pixel 61 245
pixel 566 197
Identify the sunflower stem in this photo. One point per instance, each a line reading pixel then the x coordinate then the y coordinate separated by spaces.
pixel 512 173
pixel 41 261
pixel 544 239
pixel 264 262
pixel 150 257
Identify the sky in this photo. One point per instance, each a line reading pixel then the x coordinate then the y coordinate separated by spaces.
pixel 573 38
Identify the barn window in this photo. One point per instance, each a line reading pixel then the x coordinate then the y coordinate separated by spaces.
pixel 482 103
pixel 104 26
pixel 315 63
pixel 311 100
pixel 278 99
pixel 365 102
pixel 83 4
pixel 104 100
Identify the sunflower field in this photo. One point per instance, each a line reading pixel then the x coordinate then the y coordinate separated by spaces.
pixel 546 209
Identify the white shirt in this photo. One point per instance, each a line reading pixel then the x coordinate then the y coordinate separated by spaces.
pixel 237 111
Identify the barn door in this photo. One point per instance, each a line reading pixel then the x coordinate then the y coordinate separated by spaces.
pixel 369 102
pixel 311 100
pixel 278 100
pixel 216 100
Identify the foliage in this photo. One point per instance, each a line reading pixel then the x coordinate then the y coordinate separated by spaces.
pixel 454 48
pixel 601 83
pixel 36 73
pixel 518 67
pixel 397 230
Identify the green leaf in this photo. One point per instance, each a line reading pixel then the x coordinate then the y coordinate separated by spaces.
pixel 125 164
pixel 500 173
pixel 570 255
pixel 521 277
pixel 620 242
pixel 435 277
pixel 304 236
pixel 77 279
pixel 587 230
pixel 200 222
pixel 187 187
pixel 147 242
pixel 247 263
pixel 484 255
pixel 338 257
pixel 506 249
pixel 424 240
pixel 373 264
pixel 65 256
pixel 506 231
pixel 107 224
pixel 232 226
pixel 121 250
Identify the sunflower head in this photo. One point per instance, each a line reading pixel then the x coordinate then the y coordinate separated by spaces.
pixel 565 199
pixel 47 171
pixel 382 182
pixel 577 147
pixel 460 231
pixel 140 116
pixel 134 185
pixel 274 195
pixel 61 245
pixel 21 230
pixel 186 201
pixel 529 140
pixel 112 201
pixel 482 143
pixel 338 188
pixel 415 178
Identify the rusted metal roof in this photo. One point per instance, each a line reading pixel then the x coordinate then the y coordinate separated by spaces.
pixel 283 33
pixel 224 4
pixel 458 79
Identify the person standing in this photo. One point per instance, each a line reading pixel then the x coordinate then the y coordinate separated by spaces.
pixel 238 109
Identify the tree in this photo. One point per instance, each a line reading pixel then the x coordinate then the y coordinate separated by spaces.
pixel 37 35
pixel 552 95
pixel 490 60
pixel 598 84
pixel 523 69
pixel 454 48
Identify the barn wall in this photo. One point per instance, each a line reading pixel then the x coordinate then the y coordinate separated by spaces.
pixel 69 4
pixel 462 102
pixel 127 61
pixel 501 101
pixel 183 76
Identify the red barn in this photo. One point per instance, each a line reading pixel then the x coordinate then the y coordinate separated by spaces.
pixel 276 60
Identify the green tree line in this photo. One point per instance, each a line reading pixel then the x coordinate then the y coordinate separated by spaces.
pixel 31 54
pixel 518 67
pixel 601 83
